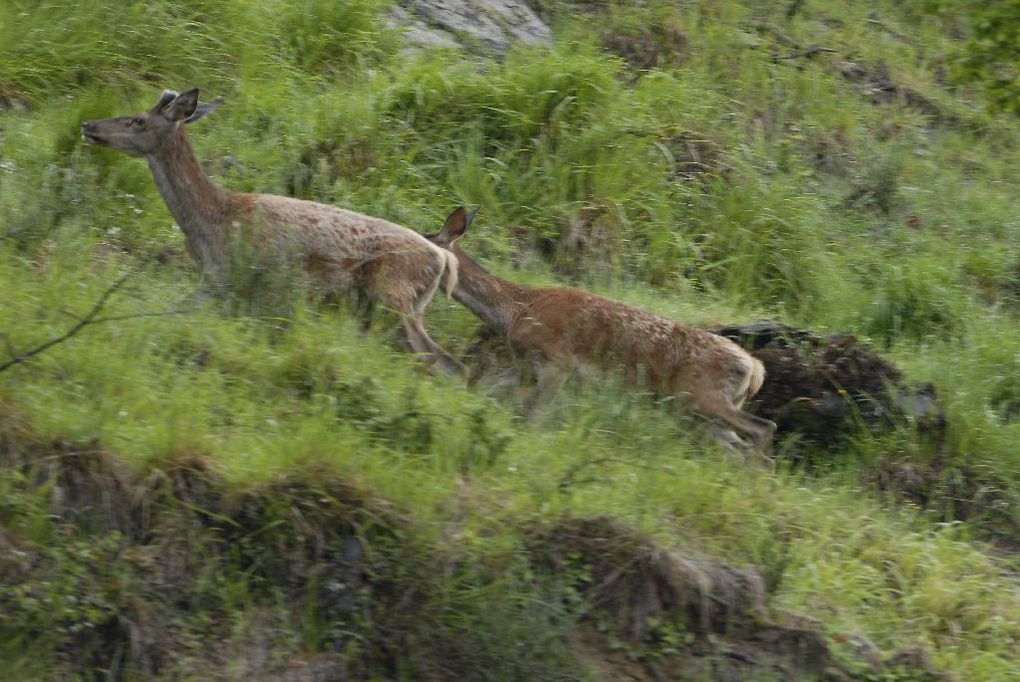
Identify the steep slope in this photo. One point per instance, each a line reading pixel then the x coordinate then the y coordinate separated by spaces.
pixel 258 473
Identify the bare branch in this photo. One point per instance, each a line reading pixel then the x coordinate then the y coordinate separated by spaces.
pixel 91 318
pixel 132 316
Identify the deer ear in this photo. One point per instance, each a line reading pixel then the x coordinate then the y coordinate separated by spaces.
pixel 455 226
pixel 183 106
pixel 203 109
pixel 164 99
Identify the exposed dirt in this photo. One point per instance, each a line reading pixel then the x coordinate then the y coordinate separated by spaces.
pixel 167 533
pixel 638 584
pixel 823 388
pixel 673 616
pixel 953 490
pixel 871 80
pixel 11 100
pixel 875 82
pixel 585 243
pixel 648 47
pixel 819 390
pixel 695 156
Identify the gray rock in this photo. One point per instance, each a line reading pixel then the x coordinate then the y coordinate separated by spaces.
pixel 495 24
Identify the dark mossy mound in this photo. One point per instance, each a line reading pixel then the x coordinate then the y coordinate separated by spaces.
pixel 823 388
pixel 688 617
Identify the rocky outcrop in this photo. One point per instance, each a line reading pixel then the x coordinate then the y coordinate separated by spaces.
pixel 494 25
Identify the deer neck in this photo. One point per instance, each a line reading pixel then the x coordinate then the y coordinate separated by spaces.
pixel 494 300
pixel 198 205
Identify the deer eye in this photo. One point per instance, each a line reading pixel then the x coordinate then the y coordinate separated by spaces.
pixel 138 121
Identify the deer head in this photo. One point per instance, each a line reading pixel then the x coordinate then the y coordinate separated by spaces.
pixel 143 134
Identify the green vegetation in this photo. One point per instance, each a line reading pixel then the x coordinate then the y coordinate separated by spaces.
pixel 989 57
pixel 696 159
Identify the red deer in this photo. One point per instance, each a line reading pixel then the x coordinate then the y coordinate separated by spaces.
pixel 340 250
pixel 563 328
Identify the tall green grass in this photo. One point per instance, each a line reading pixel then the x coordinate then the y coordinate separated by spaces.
pixel 815 206
pixel 50 47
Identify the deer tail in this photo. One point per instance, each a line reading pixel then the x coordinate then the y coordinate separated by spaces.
pixel 757 377
pixel 450 272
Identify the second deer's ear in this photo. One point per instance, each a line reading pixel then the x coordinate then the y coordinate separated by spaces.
pixel 183 106
pixel 456 225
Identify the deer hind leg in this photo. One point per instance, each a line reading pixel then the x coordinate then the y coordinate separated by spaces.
pixel 717 406
pixel 738 447
pixel 759 430
pixel 430 278
pixel 430 284
pixel 407 285
pixel 442 359
pixel 414 334
pixel 740 380
pixel 722 427
pixel 551 376
pixel 415 339
pixel 418 340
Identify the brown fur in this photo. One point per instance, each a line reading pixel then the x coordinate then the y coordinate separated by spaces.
pixel 340 249
pixel 564 328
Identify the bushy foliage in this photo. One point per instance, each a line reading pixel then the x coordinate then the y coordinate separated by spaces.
pixel 988 58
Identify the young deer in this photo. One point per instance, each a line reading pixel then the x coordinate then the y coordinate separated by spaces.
pixel 339 249
pixel 562 328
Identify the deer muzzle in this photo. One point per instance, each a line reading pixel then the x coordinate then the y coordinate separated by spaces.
pixel 90 133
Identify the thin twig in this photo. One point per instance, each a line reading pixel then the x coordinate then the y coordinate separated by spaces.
pixel 131 316
pixel 90 318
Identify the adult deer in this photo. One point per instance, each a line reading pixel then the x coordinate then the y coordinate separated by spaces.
pixel 339 249
pixel 564 328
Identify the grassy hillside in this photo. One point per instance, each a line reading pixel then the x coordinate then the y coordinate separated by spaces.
pixel 257 473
